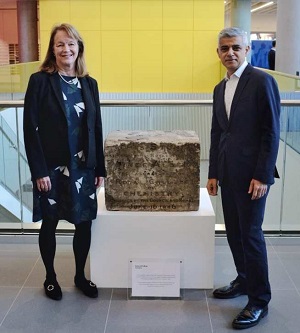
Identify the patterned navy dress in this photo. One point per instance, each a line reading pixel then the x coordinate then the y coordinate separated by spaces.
pixel 73 193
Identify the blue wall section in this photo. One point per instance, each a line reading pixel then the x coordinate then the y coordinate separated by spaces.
pixel 259 53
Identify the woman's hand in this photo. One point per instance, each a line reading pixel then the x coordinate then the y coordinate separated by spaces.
pixel 43 184
pixel 98 181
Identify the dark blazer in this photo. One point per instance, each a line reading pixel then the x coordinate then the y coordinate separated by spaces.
pixel 46 129
pixel 271 59
pixel 246 145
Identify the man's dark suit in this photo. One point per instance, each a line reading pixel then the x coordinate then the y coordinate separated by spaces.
pixel 46 130
pixel 244 148
pixel 271 59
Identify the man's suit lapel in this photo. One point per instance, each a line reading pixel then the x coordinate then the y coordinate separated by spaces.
pixel 239 89
pixel 222 95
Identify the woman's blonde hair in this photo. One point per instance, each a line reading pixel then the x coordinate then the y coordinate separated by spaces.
pixel 49 64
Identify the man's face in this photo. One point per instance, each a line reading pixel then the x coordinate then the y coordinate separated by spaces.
pixel 232 52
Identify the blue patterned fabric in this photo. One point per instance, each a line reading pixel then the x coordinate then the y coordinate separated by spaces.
pixel 73 194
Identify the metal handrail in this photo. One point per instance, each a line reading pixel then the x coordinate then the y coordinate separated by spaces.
pixel 152 102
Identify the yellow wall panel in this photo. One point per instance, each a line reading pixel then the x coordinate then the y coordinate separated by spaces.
pixel 178 61
pixel 206 62
pixel 85 14
pixel 146 15
pixel 208 15
pixel 44 37
pixel 146 61
pixel 116 61
pixel 143 45
pixel 178 15
pixel 53 12
pixel 116 14
pixel 92 43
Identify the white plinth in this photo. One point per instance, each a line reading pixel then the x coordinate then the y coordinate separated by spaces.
pixel 119 236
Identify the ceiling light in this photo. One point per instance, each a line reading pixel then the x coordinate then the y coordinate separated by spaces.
pixel 262 6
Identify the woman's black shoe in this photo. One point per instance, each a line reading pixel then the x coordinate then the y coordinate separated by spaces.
pixel 87 287
pixel 53 290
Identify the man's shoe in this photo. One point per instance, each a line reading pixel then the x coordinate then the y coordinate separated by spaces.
pixel 233 290
pixel 87 287
pixel 249 317
pixel 53 290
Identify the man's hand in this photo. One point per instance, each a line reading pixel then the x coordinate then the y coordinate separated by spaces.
pixel 212 186
pixel 257 189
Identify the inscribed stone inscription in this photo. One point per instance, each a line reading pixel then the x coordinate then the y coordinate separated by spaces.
pixel 152 171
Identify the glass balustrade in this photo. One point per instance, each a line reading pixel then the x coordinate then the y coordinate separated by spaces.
pixel 282 209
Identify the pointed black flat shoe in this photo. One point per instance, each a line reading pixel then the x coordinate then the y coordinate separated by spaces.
pixel 87 287
pixel 53 290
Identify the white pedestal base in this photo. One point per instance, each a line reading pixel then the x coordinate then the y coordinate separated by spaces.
pixel 120 236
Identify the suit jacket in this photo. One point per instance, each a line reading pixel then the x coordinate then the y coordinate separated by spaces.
pixel 245 146
pixel 271 59
pixel 46 129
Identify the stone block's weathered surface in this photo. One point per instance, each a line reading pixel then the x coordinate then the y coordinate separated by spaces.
pixel 152 171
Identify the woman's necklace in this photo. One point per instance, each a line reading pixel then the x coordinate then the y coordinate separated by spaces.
pixel 69 82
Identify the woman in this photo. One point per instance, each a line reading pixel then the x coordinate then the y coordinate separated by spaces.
pixel 64 147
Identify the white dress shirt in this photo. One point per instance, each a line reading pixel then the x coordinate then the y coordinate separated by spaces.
pixel 231 84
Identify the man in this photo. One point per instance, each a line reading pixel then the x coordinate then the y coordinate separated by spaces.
pixel 243 152
pixel 271 56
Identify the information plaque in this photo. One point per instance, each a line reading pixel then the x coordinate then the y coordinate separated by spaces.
pixel 155 278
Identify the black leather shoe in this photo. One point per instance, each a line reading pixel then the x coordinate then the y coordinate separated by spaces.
pixel 53 290
pixel 249 317
pixel 233 290
pixel 87 287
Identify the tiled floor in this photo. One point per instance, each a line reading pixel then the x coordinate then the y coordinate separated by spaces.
pixel 24 308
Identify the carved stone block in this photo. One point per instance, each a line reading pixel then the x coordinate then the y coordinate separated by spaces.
pixel 152 171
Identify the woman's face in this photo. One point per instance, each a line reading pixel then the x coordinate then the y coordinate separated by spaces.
pixel 65 50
